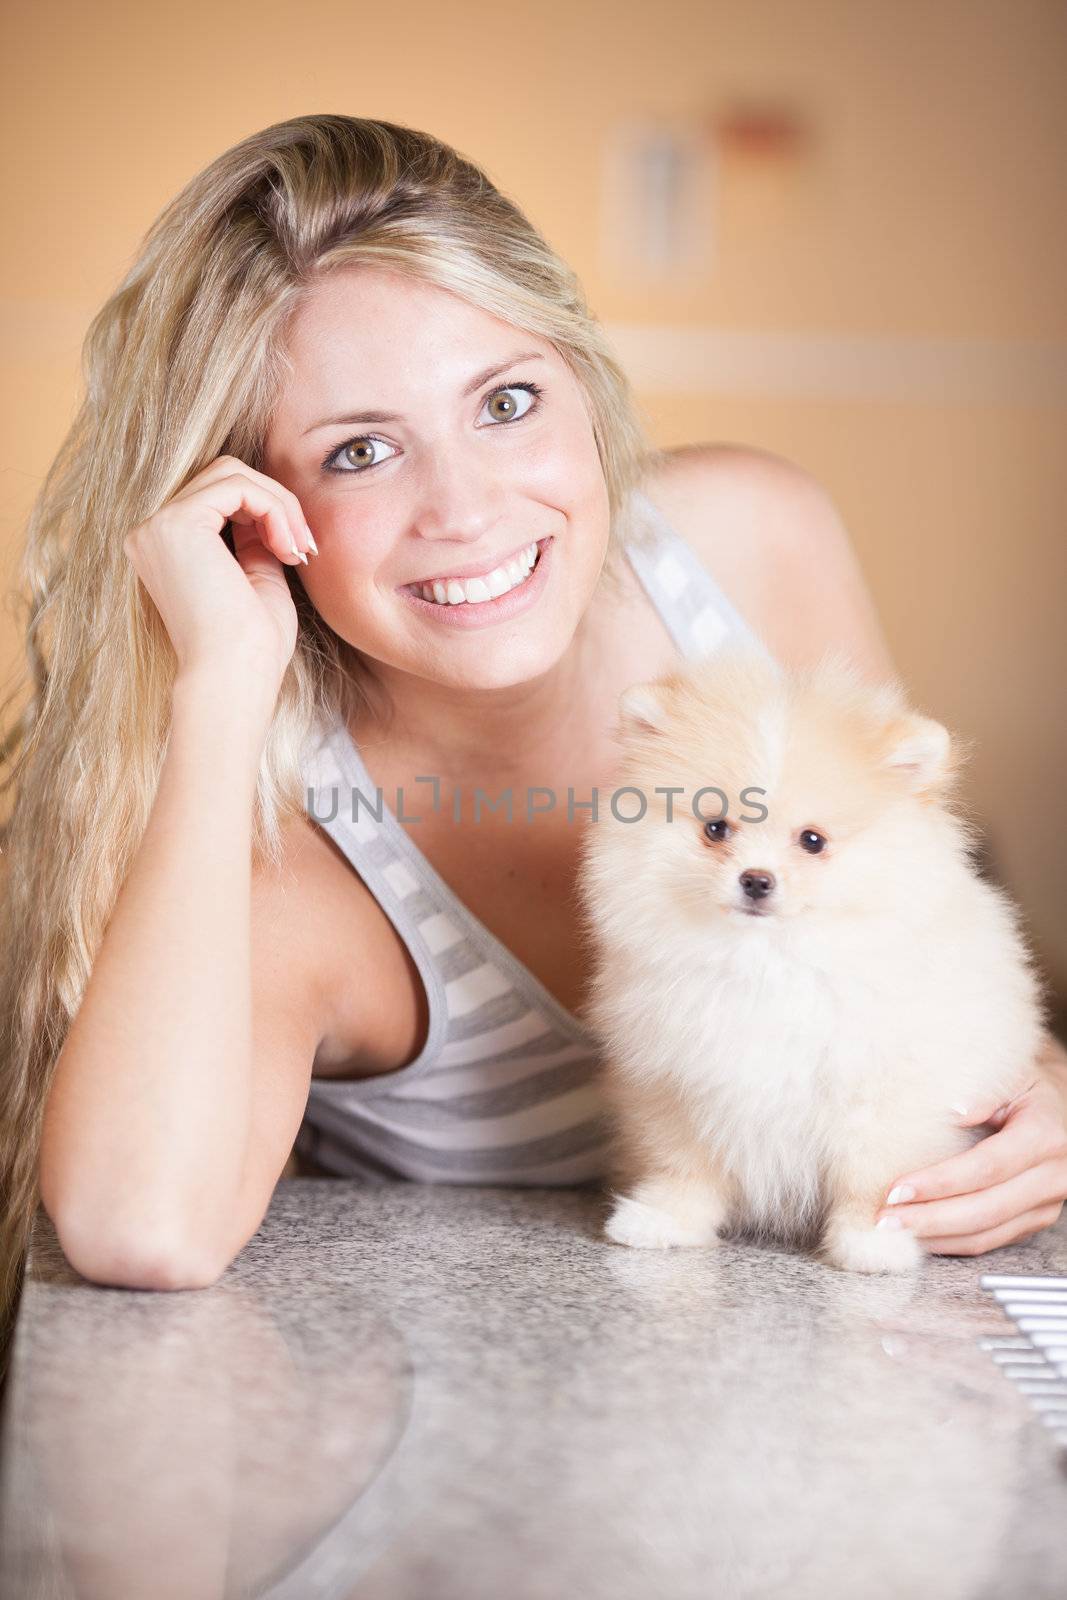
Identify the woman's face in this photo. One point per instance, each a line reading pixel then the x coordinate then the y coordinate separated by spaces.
pixel 412 464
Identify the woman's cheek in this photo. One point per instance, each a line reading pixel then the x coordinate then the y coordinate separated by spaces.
pixel 360 544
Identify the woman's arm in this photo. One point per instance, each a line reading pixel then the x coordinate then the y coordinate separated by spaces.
pixel 147 1115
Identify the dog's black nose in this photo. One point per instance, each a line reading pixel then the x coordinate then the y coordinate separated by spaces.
pixel 756 884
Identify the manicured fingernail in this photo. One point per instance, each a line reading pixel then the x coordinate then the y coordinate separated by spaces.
pixel 961 1111
pixel 311 539
pixel 293 548
pixel 889 1222
pixel 903 1191
pixel 303 557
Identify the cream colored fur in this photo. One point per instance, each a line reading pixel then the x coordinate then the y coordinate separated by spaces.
pixel 777 1073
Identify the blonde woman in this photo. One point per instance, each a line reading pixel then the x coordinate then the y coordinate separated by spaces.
pixel 344 377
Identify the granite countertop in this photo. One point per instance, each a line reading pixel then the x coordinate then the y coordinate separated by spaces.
pixel 444 1393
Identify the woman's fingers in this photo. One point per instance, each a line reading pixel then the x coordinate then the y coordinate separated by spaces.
pixel 990 1110
pixel 1017 1230
pixel 298 537
pixel 210 603
pixel 1040 1185
pixel 1032 1131
pixel 270 533
pixel 251 507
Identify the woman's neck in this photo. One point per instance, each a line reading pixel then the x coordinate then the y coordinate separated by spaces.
pixel 454 731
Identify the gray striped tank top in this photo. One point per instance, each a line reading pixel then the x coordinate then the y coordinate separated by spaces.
pixel 503 1090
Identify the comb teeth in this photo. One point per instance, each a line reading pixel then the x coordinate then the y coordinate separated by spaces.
pixel 1035 1358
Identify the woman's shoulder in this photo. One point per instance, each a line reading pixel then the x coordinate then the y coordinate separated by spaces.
pixel 740 508
pixel 774 541
pixel 318 928
pixel 308 887
pixel 307 907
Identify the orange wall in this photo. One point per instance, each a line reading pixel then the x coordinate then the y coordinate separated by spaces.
pixel 927 205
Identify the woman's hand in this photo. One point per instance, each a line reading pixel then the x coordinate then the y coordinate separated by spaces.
pixel 1008 1186
pixel 217 609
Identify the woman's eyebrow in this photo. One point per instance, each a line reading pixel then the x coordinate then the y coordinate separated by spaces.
pixel 475 383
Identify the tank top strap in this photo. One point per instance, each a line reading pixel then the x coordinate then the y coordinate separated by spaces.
pixel 692 606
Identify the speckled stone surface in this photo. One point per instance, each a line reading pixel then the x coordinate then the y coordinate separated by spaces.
pixel 443 1393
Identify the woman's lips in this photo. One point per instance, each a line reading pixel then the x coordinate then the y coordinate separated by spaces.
pixel 463 573
pixel 483 613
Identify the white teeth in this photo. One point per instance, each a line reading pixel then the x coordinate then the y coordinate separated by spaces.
pixel 457 591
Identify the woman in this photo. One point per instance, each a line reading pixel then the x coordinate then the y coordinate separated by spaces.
pixel 346 352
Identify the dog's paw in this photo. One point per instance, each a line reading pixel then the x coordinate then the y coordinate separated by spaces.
pixel 869 1249
pixel 634 1222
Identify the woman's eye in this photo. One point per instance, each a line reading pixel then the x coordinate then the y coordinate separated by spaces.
pixel 357 455
pixel 531 390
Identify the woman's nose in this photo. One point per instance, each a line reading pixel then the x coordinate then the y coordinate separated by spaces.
pixel 457 504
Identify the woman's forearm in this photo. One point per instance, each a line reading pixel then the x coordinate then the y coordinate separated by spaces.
pixel 147 1114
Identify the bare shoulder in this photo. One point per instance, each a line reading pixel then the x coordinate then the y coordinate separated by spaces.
pixel 773 539
pixel 304 913
pixel 321 936
pixel 287 915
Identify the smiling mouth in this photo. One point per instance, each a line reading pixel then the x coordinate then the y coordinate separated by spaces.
pixel 489 584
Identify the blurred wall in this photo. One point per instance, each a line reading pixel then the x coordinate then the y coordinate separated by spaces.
pixel 883 301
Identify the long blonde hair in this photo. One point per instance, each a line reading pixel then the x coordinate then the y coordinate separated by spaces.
pixel 180 365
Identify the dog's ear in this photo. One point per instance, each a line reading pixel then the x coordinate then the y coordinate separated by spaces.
pixel 921 749
pixel 643 706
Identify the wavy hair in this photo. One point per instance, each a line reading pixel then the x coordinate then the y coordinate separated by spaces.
pixel 182 364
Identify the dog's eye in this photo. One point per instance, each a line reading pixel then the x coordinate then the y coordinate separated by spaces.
pixel 812 842
pixel 717 830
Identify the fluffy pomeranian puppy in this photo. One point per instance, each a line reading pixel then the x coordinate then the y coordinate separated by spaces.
pixel 797 969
